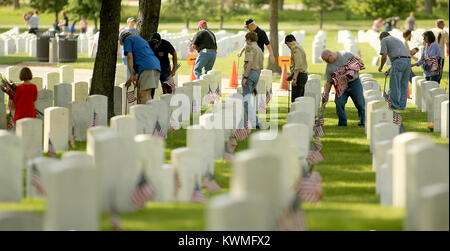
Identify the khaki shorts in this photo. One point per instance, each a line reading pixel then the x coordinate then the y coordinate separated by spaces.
pixel 148 79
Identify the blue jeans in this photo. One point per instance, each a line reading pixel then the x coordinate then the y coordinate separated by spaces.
pixel 398 83
pixel 124 59
pixel 247 93
pixel 204 60
pixel 355 92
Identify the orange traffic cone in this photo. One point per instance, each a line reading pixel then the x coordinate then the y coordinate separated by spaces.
pixel 284 83
pixel 408 92
pixel 192 74
pixel 233 77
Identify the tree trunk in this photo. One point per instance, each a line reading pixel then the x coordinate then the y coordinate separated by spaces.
pixel 429 7
pixel 16 4
pixel 148 18
pixel 187 24
pixel 106 60
pixel 274 35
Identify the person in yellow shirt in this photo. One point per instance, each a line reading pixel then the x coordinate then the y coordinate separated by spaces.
pixel 299 67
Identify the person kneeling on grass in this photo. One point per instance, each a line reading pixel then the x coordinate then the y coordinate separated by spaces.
pixel 143 65
pixel 24 96
pixel 343 72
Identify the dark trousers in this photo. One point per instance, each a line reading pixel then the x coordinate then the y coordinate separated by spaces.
pixel 299 89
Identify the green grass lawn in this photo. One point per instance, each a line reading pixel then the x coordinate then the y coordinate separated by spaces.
pixel 349 201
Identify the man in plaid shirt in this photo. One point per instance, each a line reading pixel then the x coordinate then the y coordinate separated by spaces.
pixel 343 72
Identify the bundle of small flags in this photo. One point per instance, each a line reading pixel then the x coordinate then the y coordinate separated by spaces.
pixel 210 97
pixel 197 195
pixel 51 150
pixel 73 137
pixel 318 127
pixel 11 125
pixel 95 119
pixel 308 188
pixel 293 218
pixel 158 131
pixel 142 193
pixel 243 133
pixel 36 180
pixel 131 96
pixel 397 119
pixel 210 184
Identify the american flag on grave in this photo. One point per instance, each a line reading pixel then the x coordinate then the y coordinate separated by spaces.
pixel 142 193
pixel 397 118
pixel 243 133
pixel 73 137
pixel 174 124
pixel 293 218
pixel 131 96
pixel 268 95
pixel 210 97
pixel 308 189
pixel 197 195
pixel 317 144
pixel 158 131
pixel 314 157
pixel 232 143
pixel 318 127
pixel 51 150
pixel 36 181
pixel 95 119
pixel 217 94
pixel 228 153
pixel 210 184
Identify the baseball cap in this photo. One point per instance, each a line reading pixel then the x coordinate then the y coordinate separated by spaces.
pixel 130 19
pixel 248 21
pixel 156 36
pixel 122 36
pixel 201 23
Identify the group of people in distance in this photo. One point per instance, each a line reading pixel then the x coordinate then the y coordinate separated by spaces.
pixel 33 19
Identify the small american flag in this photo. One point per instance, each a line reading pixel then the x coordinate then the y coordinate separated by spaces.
pixel 210 97
pixel 197 195
pixel 131 96
pixel 174 124
pixel 142 193
pixel 11 125
pixel 158 131
pixel 309 189
pixel 318 127
pixel 217 94
pixel 115 222
pixel 228 153
pixel 51 150
pixel 243 133
pixel 95 119
pixel 210 184
pixel 195 106
pixel 36 180
pixel 73 137
pixel 232 143
pixel 317 145
pixel 397 118
pixel 293 218
pixel 268 95
pixel 314 157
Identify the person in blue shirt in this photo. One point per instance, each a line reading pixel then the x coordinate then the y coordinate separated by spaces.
pixel 143 65
pixel 431 58
pixel 131 23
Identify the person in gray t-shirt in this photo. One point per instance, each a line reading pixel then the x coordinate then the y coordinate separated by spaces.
pixel 400 70
pixel 335 61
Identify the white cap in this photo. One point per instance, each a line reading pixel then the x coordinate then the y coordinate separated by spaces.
pixel 130 19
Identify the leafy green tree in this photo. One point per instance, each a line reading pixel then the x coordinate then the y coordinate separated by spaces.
pixel 88 8
pixel 322 7
pixel 381 8
pixel 188 8
pixel 49 6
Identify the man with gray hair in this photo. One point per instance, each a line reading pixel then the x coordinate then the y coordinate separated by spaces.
pixel 399 71
pixel 343 72
pixel 442 39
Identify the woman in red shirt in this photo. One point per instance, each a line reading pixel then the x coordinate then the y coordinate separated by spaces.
pixel 24 97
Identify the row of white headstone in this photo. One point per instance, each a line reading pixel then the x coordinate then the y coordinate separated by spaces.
pixel 263 176
pixel 346 38
pixel 11 42
pixel 318 45
pixel 411 169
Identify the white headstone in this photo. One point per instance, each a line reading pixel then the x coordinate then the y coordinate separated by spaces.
pixel 426 86
pixel 385 180
pixel 415 87
pixel 117 100
pixel 56 128
pixel 202 140
pixel 124 125
pixel 11 164
pixel 99 105
pixel 377 116
pixel 444 119
pixel 63 94
pixel 81 118
pixel 67 74
pixel 301 117
pixel 430 102
pixel 188 164
pixel 298 135
pixel 29 130
pixel 438 100
pixel 434 211
pixel 44 100
pixel 80 91
pixel 383 131
pixel 370 107
pixel 12 73
pixel 52 78
pixel 146 117
pixel 305 104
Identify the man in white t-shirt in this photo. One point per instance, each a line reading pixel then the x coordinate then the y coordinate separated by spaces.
pixel 33 22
